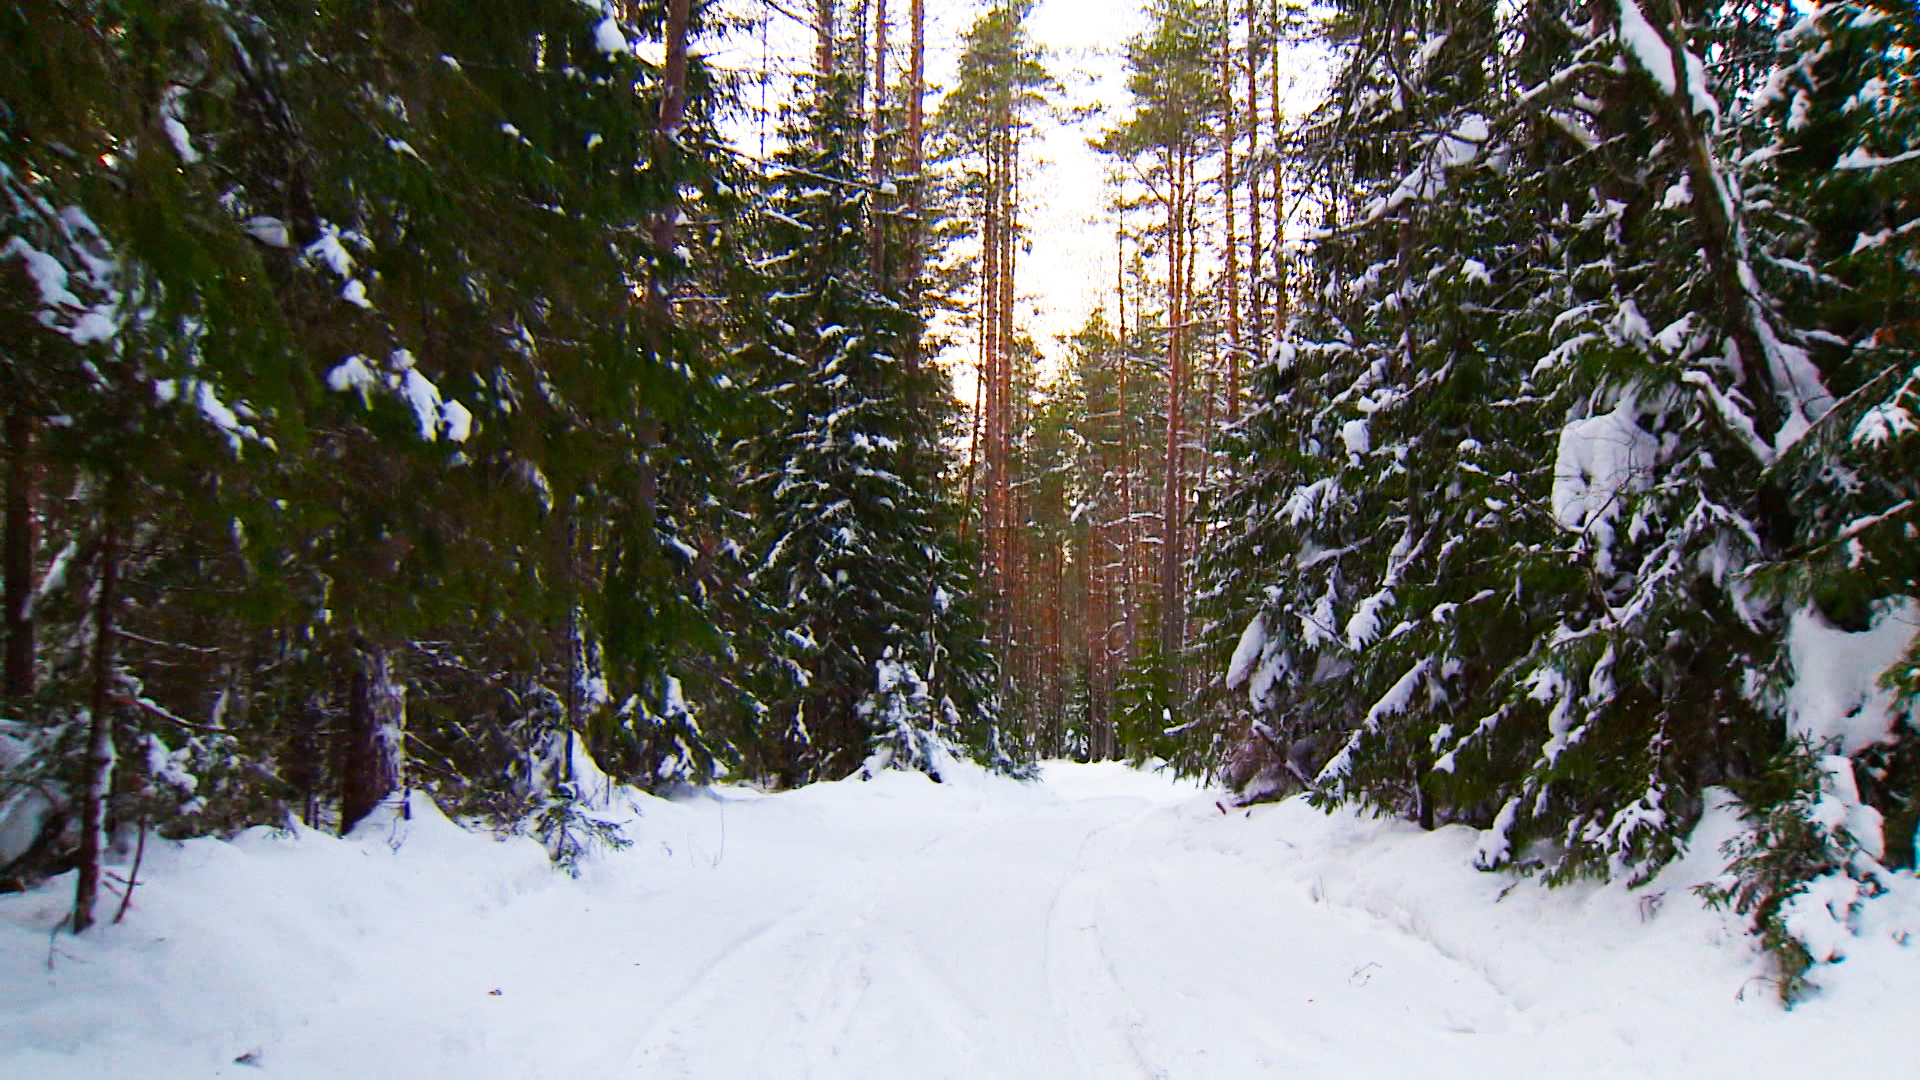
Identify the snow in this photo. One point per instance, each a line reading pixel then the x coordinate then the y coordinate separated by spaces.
pixel 1253 642
pixel 1836 699
pixel 1647 46
pixel 608 38
pixel 1601 458
pixel 1355 434
pixel 1883 424
pixel 328 249
pixel 433 414
pixel 1461 147
pixel 423 397
pixel 352 375
pixel 48 275
pixel 173 119
pixel 1102 922
pixel 1860 158
pixel 1364 625
pixel 458 420
pixel 270 231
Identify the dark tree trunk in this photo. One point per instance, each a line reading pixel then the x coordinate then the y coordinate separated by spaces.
pixel 300 763
pixel 18 680
pixel 370 770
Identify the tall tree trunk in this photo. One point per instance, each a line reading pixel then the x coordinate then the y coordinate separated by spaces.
pixel 673 113
pixel 1257 315
pixel 876 127
pixel 1279 189
pixel 1009 413
pixel 916 141
pixel 1170 530
pixel 973 444
pixel 1130 547
pixel 824 32
pixel 663 228
pixel 18 681
pixel 100 749
pixel 374 763
pixel 1228 193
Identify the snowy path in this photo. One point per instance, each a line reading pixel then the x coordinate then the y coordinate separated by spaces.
pixel 1102 924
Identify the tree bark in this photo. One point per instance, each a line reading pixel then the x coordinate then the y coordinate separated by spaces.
pixel 673 114
pixel 374 761
pixel 823 59
pixel 916 139
pixel 100 749
pixel 1279 187
pixel 18 680
pixel 1256 313
pixel 877 137
pixel 1228 193
pixel 1170 530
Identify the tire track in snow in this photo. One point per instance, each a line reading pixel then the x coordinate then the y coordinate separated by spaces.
pixel 1101 1019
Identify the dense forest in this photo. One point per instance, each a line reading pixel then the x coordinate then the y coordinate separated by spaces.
pixel 400 396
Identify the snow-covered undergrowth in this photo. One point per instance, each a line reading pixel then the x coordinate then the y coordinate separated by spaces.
pixel 1101 922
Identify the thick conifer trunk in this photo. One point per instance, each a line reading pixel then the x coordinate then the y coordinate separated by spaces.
pixel 373 763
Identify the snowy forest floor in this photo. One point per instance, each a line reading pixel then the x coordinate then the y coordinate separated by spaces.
pixel 1099 923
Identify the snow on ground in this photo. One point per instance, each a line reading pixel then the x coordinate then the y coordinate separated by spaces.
pixel 1100 923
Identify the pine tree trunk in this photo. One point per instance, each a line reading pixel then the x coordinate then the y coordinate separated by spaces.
pixel 17 685
pixel 100 748
pixel 1228 193
pixel 1279 187
pixel 877 137
pixel 1009 233
pixel 373 765
pixel 673 113
pixel 664 226
pixel 823 28
pixel 1177 239
pixel 1256 313
pixel 979 418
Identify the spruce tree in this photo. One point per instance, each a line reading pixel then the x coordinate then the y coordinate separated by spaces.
pixel 873 649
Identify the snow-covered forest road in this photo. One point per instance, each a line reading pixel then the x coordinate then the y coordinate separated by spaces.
pixel 1102 923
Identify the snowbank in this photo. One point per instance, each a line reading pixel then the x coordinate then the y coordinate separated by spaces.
pixel 1101 922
